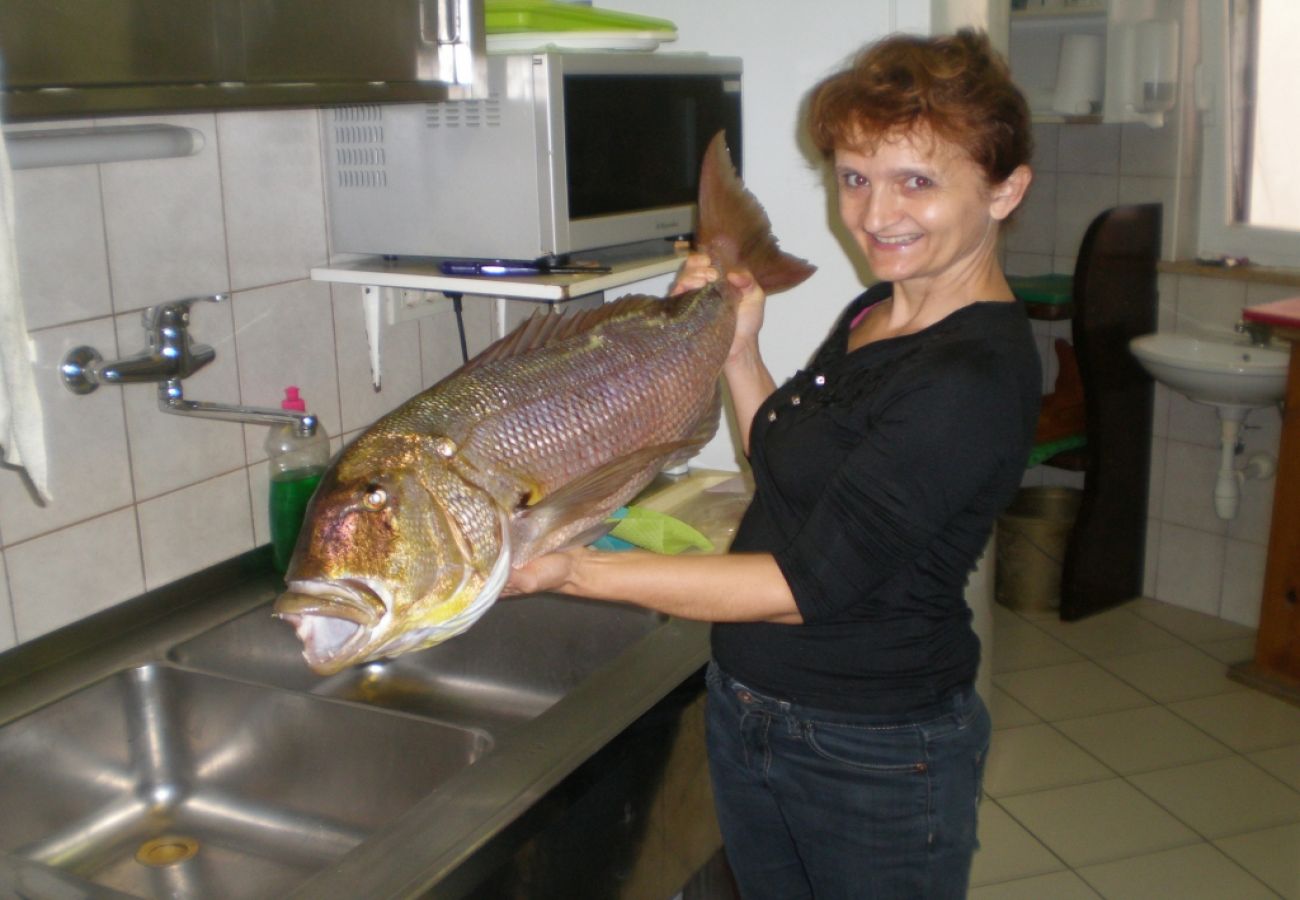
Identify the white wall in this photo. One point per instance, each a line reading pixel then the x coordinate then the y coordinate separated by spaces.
pixel 786 48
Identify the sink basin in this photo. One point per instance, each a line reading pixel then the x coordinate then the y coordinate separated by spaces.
pixel 1220 373
pixel 160 782
pixel 523 656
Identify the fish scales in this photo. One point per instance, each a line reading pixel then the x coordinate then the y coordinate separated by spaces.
pixel 526 448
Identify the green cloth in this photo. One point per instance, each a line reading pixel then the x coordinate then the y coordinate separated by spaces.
pixel 658 532
pixel 1042 452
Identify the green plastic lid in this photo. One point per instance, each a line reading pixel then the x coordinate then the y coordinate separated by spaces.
pixel 516 16
pixel 1051 289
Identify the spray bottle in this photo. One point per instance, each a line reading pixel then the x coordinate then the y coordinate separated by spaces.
pixel 298 455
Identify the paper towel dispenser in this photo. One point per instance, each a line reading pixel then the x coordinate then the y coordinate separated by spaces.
pixel 74 58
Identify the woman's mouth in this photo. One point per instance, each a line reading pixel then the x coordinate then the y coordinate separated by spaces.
pixel 895 240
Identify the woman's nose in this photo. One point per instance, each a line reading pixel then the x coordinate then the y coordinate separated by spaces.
pixel 878 210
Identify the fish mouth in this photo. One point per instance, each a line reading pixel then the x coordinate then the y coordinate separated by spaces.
pixel 333 619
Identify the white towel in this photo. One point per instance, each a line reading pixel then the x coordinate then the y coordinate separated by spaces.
pixel 22 434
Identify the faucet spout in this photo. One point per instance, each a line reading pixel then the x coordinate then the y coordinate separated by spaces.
pixel 171 399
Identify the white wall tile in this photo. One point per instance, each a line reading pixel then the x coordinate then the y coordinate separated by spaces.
pixel 440 342
pixel 1190 475
pixel 1192 422
pixel 1032 226
pixel 1046 136
pixel 1156 479
pixel 274 197
pixel 62 258
pixel 164 222
pixel 85 441
pixel 7 635
pixel 285 336
pixel 1080 199
pixel 169 451
pixel 1146 151
pixel 1088 150
pixel 399 347
pixel 1151 559
pixel 69 574
pixel 193 528
pixel 1189 568
pixel 1243 582
pixel 1209 304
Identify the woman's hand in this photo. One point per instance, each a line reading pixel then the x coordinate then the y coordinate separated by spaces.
pixel 546 573
pixel 698 271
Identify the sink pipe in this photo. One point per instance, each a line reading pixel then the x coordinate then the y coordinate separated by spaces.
pixel 171 357
pixel 1227 487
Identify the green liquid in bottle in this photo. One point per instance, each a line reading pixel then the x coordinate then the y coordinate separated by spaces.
pixel 290 492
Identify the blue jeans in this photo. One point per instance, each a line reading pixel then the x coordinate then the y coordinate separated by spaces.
pixel 814 803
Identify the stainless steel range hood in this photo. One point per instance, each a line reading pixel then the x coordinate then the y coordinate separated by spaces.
pixel 81 58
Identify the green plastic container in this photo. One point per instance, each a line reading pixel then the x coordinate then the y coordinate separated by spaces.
pixel 518 16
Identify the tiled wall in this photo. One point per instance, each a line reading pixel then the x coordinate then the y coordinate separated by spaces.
pixel 141 498
pixel 1194 559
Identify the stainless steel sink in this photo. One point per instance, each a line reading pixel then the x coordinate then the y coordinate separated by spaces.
pixel 162 782
pixel 514 664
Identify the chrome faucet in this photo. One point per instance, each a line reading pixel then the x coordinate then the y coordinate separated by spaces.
pixel 1258 333
pixel 170 357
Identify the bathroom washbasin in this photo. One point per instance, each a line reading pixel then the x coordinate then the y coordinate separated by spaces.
pixel 521 658
pixel 1221 373
pixel 161 782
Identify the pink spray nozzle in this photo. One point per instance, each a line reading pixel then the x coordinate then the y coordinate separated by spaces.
pixel 292 401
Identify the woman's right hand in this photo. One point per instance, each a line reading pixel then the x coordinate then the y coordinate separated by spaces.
pixel 698 271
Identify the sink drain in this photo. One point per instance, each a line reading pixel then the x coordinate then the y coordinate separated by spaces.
pixel 166 851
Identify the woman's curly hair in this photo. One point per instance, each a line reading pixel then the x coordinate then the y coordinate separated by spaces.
pixel 955 88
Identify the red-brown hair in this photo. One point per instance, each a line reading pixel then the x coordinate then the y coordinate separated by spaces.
pixel 953 87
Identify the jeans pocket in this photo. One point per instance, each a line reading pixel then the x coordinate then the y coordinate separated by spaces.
pixel 881 750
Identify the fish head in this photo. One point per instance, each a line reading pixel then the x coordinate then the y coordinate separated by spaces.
pixel 397 552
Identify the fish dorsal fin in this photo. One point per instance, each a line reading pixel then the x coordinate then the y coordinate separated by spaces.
pixel 544 327
pixel 583 504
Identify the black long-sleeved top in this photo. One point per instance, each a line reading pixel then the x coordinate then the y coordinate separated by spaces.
pixel 878 477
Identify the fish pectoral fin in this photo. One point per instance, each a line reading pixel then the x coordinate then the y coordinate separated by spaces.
pixel 581 505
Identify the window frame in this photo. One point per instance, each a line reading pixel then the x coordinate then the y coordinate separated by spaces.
pixel 1216 234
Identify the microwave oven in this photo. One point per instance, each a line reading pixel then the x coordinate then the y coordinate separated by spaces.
pixel 570 152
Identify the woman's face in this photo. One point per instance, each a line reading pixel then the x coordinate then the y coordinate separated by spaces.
pixel 921 210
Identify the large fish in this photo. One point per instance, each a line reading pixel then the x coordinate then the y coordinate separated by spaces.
pixel 525 449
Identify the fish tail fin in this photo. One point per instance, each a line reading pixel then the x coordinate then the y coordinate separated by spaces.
pixel 735 231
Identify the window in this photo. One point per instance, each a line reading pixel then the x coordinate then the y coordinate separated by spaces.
pixel 1250 184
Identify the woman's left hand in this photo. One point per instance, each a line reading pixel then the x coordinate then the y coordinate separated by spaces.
pixel 546 573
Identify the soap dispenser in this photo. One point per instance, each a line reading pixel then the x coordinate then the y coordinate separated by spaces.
pixel 298 457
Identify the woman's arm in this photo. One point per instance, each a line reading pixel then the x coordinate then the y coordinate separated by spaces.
pixel 747 376
pixel 742 587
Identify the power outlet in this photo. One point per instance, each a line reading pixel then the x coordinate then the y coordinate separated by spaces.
pixel 406 306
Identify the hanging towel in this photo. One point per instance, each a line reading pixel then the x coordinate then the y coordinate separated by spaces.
pixel 22 434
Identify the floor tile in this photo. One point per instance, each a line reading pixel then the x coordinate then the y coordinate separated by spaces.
pixel 1140 740
pixel 1113 633
pixel 1173 673
pixel 1222 797
pixel 1019 645
pixel 1070 691
pixel 1282 762
pixel 1035 757
pixel 1272 856
pixel 1188 624
pixel 1245 720
pixel 1099 822
pixel 1007 851
pixel 1231 651
pixel 1198 872
pixel 1057 886
pixel 1007 712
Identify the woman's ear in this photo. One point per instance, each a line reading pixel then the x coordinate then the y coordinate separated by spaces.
pixel 1005 197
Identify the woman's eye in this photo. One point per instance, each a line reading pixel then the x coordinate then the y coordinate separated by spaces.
pixel 918 182
pixel 852 179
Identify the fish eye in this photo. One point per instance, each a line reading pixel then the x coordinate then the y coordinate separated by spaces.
pixel 375 498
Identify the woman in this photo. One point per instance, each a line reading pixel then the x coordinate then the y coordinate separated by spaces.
pixel 846 740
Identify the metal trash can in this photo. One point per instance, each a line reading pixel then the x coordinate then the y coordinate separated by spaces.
pixel 1032 536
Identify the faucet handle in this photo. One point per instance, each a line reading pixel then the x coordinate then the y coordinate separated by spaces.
pixel 175 312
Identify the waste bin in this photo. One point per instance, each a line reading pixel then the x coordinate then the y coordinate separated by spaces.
pixel 1032 536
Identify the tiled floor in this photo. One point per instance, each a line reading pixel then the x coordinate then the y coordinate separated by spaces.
pixel 1125 764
